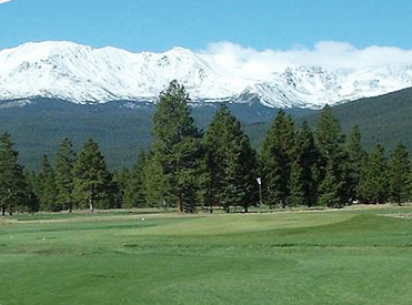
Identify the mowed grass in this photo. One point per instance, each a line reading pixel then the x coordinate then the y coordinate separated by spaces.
pixel 348 257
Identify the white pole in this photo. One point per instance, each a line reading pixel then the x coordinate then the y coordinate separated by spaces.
pixel 259 181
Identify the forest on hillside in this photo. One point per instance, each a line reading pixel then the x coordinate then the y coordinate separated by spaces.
pixel 193 170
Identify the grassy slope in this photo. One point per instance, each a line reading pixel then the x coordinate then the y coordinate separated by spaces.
pixel 352 257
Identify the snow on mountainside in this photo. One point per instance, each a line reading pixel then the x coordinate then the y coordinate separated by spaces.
pixel 82 74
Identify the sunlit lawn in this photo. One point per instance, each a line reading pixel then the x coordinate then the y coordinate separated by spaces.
pixel 348 257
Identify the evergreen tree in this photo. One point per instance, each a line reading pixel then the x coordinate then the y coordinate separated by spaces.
pixel 155 190
pixel 93 183
pixel 329 138
pixel 356 156
pixel 297 194
pixel 277 155
pixel 231 162
pixel 329 141
pixel 216 158
pixel 33 184
pixel 373 185
pixel 121 180
pixel 48 190
pixel 13 186
pixel 308 158
pixel 399 175
pixel 329 188
pixel 177 145
pixel 65 160
pixel 134 194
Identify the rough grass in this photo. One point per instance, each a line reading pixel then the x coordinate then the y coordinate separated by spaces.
pixel 350 257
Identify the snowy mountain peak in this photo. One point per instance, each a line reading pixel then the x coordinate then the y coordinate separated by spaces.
pixel 81 74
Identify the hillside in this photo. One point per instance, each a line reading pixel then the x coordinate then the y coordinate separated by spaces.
pixel 384 119
pixel 123 128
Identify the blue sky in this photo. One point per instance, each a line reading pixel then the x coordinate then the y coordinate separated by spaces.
pixel 158 25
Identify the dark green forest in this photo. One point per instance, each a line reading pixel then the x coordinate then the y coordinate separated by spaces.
pixel 194 166
pixel 123 128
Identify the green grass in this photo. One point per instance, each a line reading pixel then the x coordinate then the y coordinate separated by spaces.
pixel 349 257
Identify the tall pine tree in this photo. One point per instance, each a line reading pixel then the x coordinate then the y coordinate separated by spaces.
pixel 356 156
pixel 232 163
pixel 177 146
pixel 329 141
pixel 399 172
pixel 155 190
pixel 277 155
pixel 133 193
pixel 48 189
pixel 65 160
pixel 121 179
pixel 33 184
pixel 13 188
pixel 308 158
pixel 330 188
pixel 373 185
pixel 93 183
pixel 297 194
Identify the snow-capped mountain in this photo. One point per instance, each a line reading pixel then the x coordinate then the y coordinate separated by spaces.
pixel 81 74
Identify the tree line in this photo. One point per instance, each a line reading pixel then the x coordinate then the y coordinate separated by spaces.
pixel 191 169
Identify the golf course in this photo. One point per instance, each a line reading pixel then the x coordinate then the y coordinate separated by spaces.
pixel 349 256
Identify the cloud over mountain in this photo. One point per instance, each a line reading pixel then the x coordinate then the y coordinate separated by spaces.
pixel 326 54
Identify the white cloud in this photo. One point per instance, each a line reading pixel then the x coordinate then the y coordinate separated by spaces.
pixel 327 54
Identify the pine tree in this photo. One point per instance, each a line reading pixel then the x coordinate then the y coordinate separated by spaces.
pixel 308 157
pixel 121 180
pixel 216 157
pixel 329 188
pixel 133 194
pixel 356 156
pixel 155 190
pixel 48 190
pixel 277 155
pixel 231 162
pixel 399 175
pixel 65 160
pixel 177 145
pixel 329 138
pixel 93 185
pixel 373 186
pixel 297 195
pixel 13 186
pixel 33 184
pixel 329 141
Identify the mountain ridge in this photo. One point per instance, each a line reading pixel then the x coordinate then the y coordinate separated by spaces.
pixel 81 74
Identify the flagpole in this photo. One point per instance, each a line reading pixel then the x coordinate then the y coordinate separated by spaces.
pixel 259 181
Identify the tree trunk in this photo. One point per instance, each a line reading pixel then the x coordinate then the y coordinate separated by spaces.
pixel 3 211
pixel 179 205
pixel 70 208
